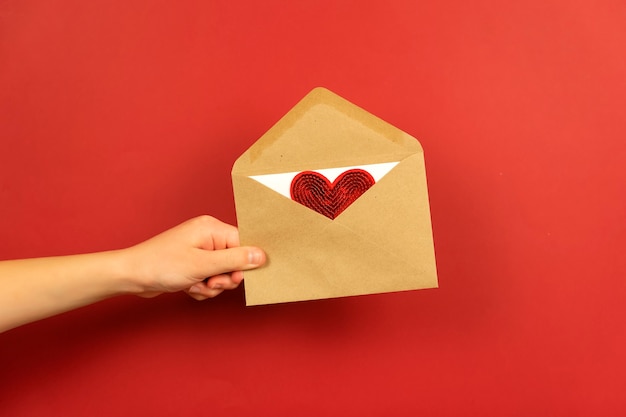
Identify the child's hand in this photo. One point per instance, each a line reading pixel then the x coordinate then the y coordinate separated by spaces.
pixel 201 256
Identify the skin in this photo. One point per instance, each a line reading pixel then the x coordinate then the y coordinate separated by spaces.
pixel 180 259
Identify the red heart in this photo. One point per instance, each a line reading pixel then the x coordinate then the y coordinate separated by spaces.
pixel 314 191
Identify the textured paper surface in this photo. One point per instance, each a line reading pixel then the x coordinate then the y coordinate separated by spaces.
pixel 380 243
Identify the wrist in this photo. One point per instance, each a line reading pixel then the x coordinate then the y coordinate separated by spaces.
pixel 127 278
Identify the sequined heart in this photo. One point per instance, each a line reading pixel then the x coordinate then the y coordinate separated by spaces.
pixel 316 192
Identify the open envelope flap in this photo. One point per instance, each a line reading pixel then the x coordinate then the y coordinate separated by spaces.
pixel 381 243
pixel 324 131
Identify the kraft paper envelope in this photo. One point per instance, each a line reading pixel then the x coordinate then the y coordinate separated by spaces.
pixel 382 242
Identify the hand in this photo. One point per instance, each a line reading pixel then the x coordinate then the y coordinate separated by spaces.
pixel 201 256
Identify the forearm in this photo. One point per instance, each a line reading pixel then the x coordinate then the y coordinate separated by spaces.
pixel 36 288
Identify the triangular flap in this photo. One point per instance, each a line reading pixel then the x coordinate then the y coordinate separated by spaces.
pixel 323 131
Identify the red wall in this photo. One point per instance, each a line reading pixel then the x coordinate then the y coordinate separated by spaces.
pixel 119 119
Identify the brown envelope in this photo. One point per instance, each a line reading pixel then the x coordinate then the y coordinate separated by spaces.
pixel 381 243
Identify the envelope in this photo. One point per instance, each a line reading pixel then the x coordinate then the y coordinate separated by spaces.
pixel 380 242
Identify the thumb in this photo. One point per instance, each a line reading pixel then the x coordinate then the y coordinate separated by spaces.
pixel 234 259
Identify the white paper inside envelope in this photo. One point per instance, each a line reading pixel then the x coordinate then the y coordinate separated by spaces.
pixel 281 183
pixel 327 191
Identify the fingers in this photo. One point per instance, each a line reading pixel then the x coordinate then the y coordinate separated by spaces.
pixel 221 242
pixel 221 263
pixel 233 259
pixel 201 292
pixel 214 234
pixel 215 286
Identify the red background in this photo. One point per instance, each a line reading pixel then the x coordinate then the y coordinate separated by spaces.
pixel 119 119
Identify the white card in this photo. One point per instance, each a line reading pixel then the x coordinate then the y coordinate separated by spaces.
pixel 281 183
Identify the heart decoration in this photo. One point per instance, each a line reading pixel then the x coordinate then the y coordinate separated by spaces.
pixel 316 192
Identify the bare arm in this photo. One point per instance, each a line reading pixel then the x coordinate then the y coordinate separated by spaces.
pixel 178 259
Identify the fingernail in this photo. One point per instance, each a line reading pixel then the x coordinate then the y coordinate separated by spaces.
pixel 255 256
pixel 216 287
pixel 195 290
